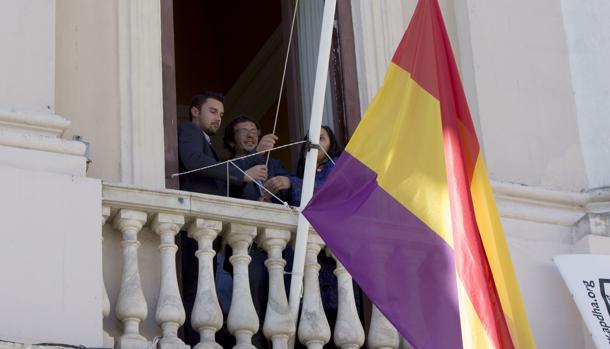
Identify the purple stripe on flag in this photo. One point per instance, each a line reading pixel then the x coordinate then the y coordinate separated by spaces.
pixel 404 267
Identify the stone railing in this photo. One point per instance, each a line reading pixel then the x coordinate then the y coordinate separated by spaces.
pixel 142 299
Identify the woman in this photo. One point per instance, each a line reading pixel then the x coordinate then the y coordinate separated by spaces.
pixel 294 184
pixel 328 281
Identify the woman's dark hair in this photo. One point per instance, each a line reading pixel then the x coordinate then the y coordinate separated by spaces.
pixel 198 100
pixel 333 151
pixel 229 136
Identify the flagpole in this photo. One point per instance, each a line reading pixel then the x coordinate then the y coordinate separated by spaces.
pixel 309 173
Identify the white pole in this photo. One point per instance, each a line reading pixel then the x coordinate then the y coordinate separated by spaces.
pixel 315 123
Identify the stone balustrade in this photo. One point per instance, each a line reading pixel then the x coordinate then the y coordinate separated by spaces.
pixel 143 305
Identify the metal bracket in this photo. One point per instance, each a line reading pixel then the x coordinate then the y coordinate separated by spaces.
pixel 310 145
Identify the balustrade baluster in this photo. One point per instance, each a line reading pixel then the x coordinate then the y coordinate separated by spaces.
pixel 314 331
pixel 279 323
pixel 243 320
pixel 207 315
pixel 382 334
pixel 349 333
pixel 107 340
pixel 170 310
pixel 404 344
pixel 131 306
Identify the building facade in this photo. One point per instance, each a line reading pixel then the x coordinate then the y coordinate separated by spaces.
pixel 112 72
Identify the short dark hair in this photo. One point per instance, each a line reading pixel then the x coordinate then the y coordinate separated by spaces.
pixel 198 100
pixel 230 131
pixel 333 151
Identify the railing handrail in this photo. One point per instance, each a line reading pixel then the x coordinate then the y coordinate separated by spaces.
pixel 196 205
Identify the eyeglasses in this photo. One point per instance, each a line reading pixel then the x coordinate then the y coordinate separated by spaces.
pixel 247 132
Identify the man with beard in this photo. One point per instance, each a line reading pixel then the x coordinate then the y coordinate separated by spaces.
pixel 241 138
pixel 195 151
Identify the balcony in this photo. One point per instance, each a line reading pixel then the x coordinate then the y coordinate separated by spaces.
pixel 142 299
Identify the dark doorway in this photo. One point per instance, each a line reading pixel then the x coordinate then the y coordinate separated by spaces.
pixel 237 47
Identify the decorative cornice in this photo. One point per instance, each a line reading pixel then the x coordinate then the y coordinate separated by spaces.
pixel 37 131
pixel 535 204
pixel 42 143
pixel 35 123
pixel 598 200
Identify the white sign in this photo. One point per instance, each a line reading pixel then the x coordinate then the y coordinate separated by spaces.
pixel 588 279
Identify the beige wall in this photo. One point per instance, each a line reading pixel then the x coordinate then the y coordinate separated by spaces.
pixel 553 316
pixel 50 258
pixel 87 80
pixel 590 74
pixel 524 93
pixel 26 67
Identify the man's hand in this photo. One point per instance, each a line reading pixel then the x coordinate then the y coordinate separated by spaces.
pixel 265 197
pixel 278 183
pixel 256 173
pixel 266 143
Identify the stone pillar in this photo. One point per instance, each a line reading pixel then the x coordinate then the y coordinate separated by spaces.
pixel 61 248
pixel 141 93
pixel 279 324
pixel 207 315
pixel 131 307
pixel 170 313
pixel 29 129
pixel 587 32
pixel 382 334
pixel 243 320
pixel 349 333
pixel 404 344
pixel 108 340
pixel 314 330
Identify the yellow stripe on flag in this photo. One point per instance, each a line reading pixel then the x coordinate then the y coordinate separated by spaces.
pixel 494 242
pixel 400 138
pixel 473 333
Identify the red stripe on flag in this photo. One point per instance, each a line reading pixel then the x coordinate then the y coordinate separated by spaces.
pixel 471 261
pixel 461 152
pixel 416 51
pixel 425 52
pixel 421 50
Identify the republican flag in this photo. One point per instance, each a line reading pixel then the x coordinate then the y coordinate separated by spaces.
pixel 410 212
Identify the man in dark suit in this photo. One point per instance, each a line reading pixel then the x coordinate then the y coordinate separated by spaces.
pixel 195 151
pixel 241 138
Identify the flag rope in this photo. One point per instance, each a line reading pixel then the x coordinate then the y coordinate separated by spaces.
pixel 265 189
pixel 239 158
pixel 279 99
